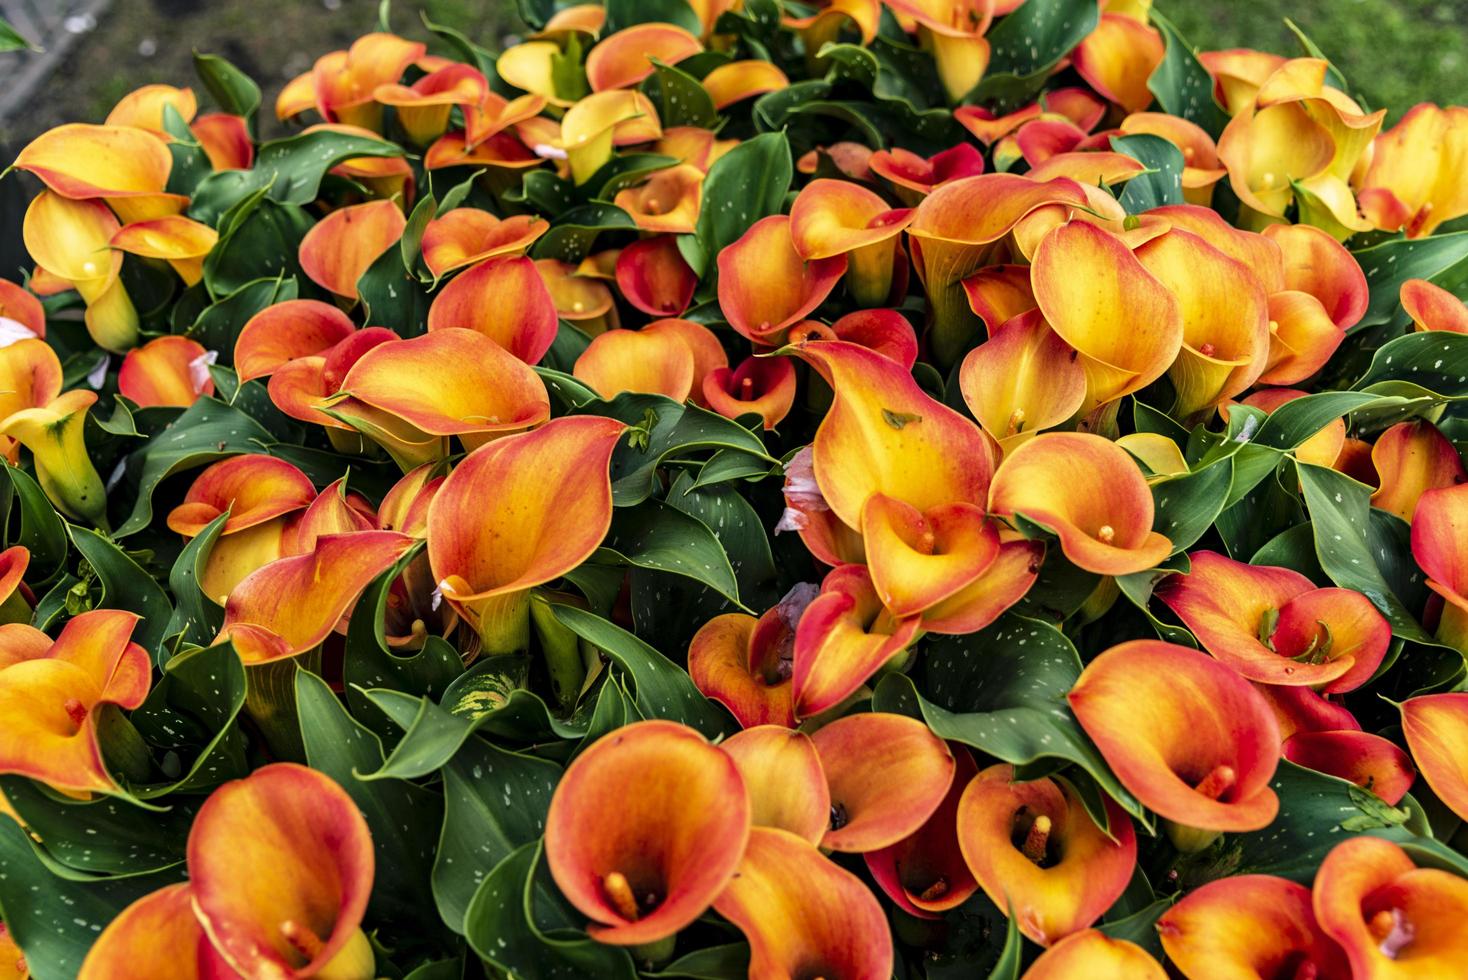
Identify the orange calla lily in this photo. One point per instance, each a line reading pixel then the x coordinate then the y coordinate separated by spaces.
pixel 280 870
pixel 54 433
pixel 225 140
pixel 919 558
pixel 128 167
pixel 1022 380
pixel 831 16
pixel 1432 307
pixel 1090 167
pixel 675 821
pixel 783 775
pixel 292 604
pixel 736 81
pixel 667 203
pixel 423 108
pixel 1302 337
pixel 493 114
pixel 23 311
pixel 1117 59
pixel 1300 709
pixel 71 240
pixel 708 352
pixel 1273 626
pixel 180 241
pixel 883 434
pixel 636 360
pixel 953 233
pixel 1411 458
pixel 159 935
pixel 983 600
pixel 143 108
pixel 1237 75
pixel 765 286
pixel 345 82
pixel 1093 955
pixel 1438 526
pixel 1127 326
pixel 1411 184
pixel 925 873
pixel 844 637
pixel 1317 264
pixel 653 276
pixel 887 775
pixel 838 217
pixel 281 333
pixel 693 145
pixel 830 540
pixel 476 300
pixel 166 371
pixel 341 246
pixel 500 152
pixel 1436 727
pixel 1090 493
pixel 764 386
pixel 465 236
pixel 602 120
pixel 912 176
pixel 1392 918
pixel 745 664
pixel 582 299
pixel 954 33
pixel 488 527
pixel 30 377
pixel 801 912
pixel 623 59
pixel 1371 762
pixel 1036 851
pixel 1185 734
pixel 52 693
pixel 334 511
pixel 1248 926
pixel 885 331
pixel 999 293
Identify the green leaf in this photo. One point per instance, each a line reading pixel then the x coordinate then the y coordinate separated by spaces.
pixel 105 836
pixel 680 99
pixel 236 92
pixel 1340 510
pixel 207 431
pixel 663 689
pixel 1392 263
pixel 494 802
pixel 1289 426
pixel 191 713
pixel 1008 967
pixel 402 816
pixel 727 962
pixel 1163 185
pixel 622 14
pixel 1187 505
pixel 521 927
pixel 1027 45
pixel 1140 927
pixel 42 531
pixel 744 185
pixel 127 586
pixel 219 325
pixel 1434 361
pixel 197 618
pixel 13 40
pixel 1002 691
pixel 657 536
pixel 1182 85
pixel 289 169
pixel 572 235
pixel 262 245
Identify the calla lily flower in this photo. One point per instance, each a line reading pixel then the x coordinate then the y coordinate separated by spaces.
pixel 1430 307
pixel 489 537
pixel 1392 918
pixel 746 664
pixel 1117 59
pixel 1410 459
pixel 1301 709
pixel 983 600
pixel 1438 526
pixel 1436 726
pixel 1092 167
pixel 334 511
pixel 766 286
pixel 54 435
pixel 503 298
pixel 602 120
pixel 1201 166
pixel 1036 851
pixel 1090 493
pixel 127 167
pixel 1225 318
pixel 830 16
pixel 292 604
pixel 1248 926
pixel 844 637
pixel 764 386
pixel 708 353
pixel 492 394
pixel 423 108
pixel 180 241
pixel 913 177
pixel 52 692
pixel 23 311
pixel 736 81
pixel 502 153
pixel 693 145
pixel 1371 762
pixel 800 912
pixel 341 246
pixel 625 58
pixel 1022 380
pixel 1185 734
pixel 465 236
pixel 225 140
pixel 166 371
pixel 160 933
pixel 653 276
pixel 837 217
pixel 887 774
pixel 999 293
pixel 1238 74
pixel 528 67
pixel 1317 264
pixel 581 299
pixel 1411 184
pixel 829 539
pixel 1273 625
pixel 675 818
pixel 1093 955
pixel 143 108
pixel 783 776
pixel 954 33
pixel 953 234
pixel 925 873
pixel 883 434
pixel 345 82
pixel 260 493
pixel 636 360
pixel 1126 324
pixel 919 558
pixel 71 240
pixel 885 331
pixel 667 203
pixel 30 377
pixel 493 114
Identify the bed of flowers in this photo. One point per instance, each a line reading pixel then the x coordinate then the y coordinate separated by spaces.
pixel 910 489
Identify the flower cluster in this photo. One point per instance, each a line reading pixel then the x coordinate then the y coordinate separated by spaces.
pixel 726 488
